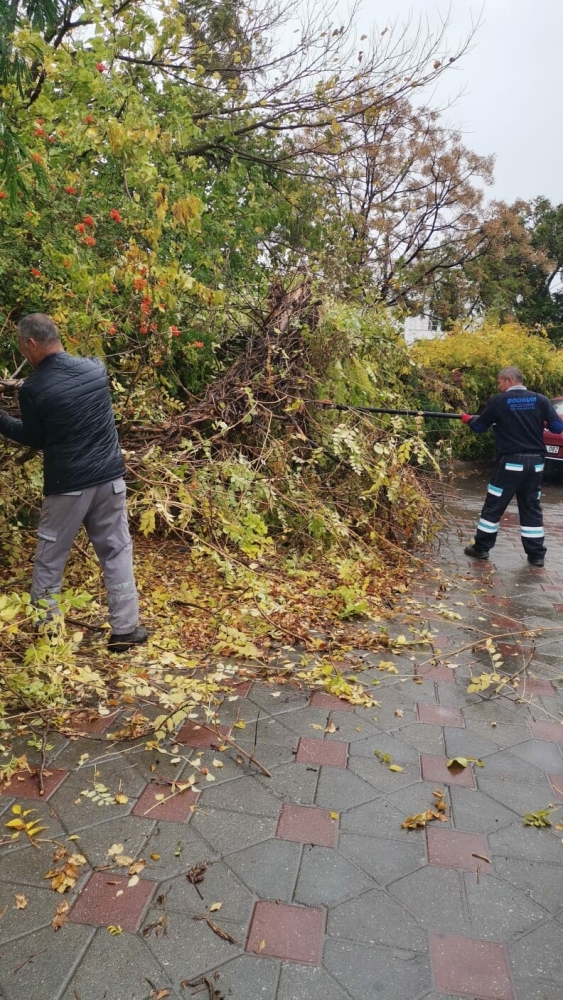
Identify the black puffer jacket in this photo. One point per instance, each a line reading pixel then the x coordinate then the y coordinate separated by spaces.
pixel 67 413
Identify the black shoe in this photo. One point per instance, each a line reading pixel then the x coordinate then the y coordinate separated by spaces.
pixel 121 643
pixel 475 553
pixel 536 561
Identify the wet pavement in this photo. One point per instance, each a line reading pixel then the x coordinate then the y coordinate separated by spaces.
pixel 305 885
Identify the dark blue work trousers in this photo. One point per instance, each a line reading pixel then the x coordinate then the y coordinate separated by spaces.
pixel 521 475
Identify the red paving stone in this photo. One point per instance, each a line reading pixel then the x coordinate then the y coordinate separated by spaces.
pixel 435 769
pixel 536 685
pixel 498 602
pixel 431 673
pixel 195 734
pixel 556 781
pixel 177 808
pixel 26 786
pixel 512 649
pixel 307 825
pixel 437 715
pixel 477 969
pixel 107 899
pixel 558 607
pixel 504 622
pixel 320 699
pixel 293 933
pixel 84 722
pixel 452 849
pixel 242 689
pixel 550 731
pixel 328 753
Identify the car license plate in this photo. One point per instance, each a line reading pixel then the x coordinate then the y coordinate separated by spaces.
pixel 552 449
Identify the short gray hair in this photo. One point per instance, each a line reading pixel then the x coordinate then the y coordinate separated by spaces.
pixel 512 373
pixel 38 327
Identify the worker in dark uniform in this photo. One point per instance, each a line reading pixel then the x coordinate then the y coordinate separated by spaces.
pixel 518 417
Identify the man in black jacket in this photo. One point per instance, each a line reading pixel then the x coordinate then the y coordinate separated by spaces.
pixel 518 417
pixel 66 413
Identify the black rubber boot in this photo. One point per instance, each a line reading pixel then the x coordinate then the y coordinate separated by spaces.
pixel 475 553
pixel 121 643
pixel 536 561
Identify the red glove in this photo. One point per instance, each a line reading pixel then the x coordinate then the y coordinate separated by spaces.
pixel 466 417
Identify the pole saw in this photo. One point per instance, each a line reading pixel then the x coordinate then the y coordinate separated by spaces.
pixel 382 409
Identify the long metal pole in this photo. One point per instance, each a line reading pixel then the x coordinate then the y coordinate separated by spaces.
pixel 382 409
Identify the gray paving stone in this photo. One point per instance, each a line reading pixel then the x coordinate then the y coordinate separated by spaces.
pixel 269 754
pixel 300 982
pixel 452 695
pixel 340 790
pixel 383 860
pixel 294 782
pixel 374 819
pixel 288 700
pixel 227 832
pixel 537 989
pixel 229 712
pixel 219 885
pixel 351 728
pixel 246 977
pixel 39 965
pixel 28 865
pixel 244 795
pixel 96 840
pixel 265 733
pixel 326 878
pixel 302 721
pixel 500 711
pixel 504 734
pixel 377 918
pixel 434 895
pixel 475 812
pixel 546 756
pixel 499 912
pixel 538 954
pixel 521 798
pixel 38 912
pixel 179 848
pixel 418 798
pixel 400 752
pixel 378 775
pixel 206 949
pixel 542 882
pixel 505 764
pixel 79 811
pixel 268 869
pixel 127 972
pixel 467 743
pixel 390 973
pixel 518 841
pixel 424 738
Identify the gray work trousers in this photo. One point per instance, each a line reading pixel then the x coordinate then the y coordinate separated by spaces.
pixel 102 510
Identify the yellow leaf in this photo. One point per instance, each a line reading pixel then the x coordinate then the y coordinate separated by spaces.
pixel 262 945
pixel 315 725
pixel 155 857
pixel 21 901
pixel 215 907
pixel 134 880
pixel 241 724
pixel 395 767
pixel 335 816
pixel 457 762
pixel 121 799
pixel 115 929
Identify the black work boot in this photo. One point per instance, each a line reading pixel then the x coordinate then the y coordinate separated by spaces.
pixel 536 561
pixel 120 643
pixel 475 553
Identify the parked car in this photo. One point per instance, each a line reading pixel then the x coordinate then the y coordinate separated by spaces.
pixel 554 443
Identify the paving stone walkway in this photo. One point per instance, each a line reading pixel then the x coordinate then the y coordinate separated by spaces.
pixel 324 895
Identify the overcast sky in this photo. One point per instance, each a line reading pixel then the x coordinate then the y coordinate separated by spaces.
pixel 512 81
